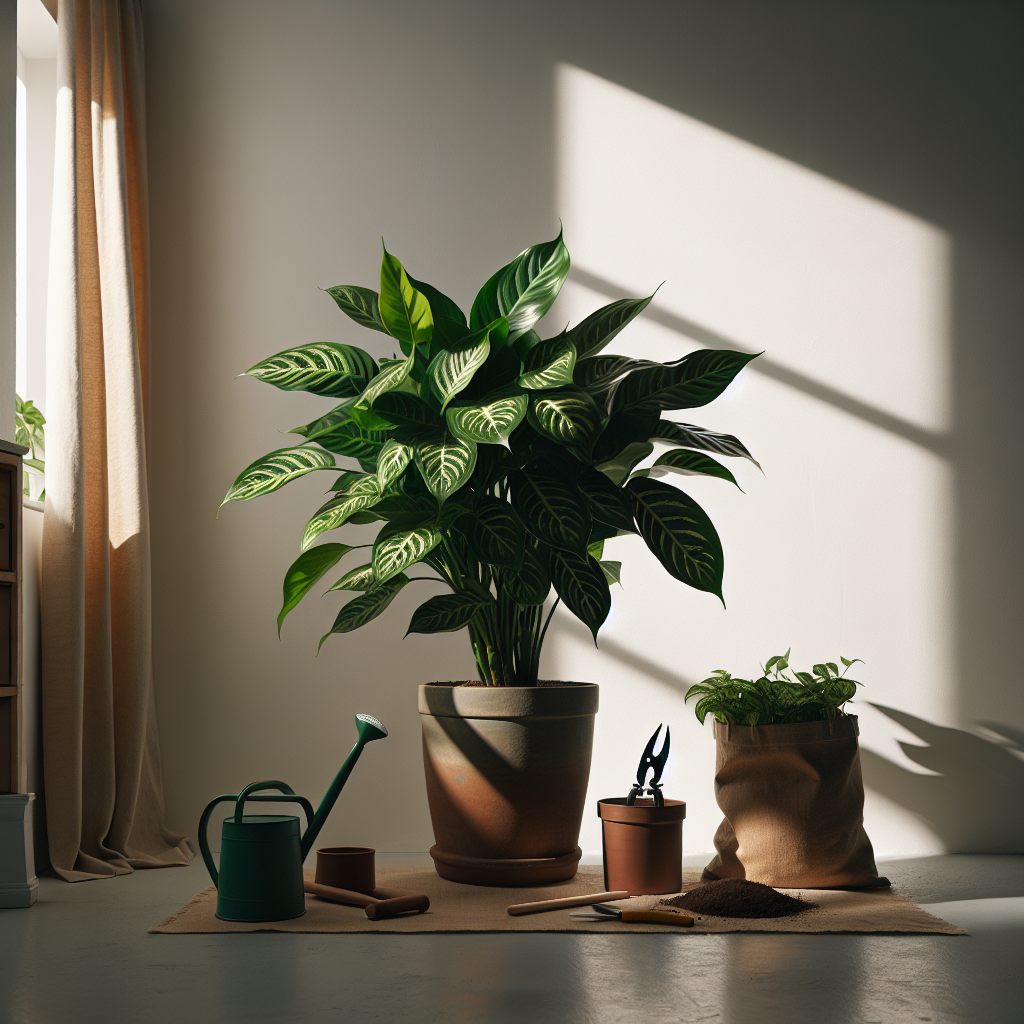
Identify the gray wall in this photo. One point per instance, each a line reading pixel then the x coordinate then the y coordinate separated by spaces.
pixel 287 137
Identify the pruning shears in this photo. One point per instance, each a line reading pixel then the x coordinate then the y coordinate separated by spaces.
pixel 654 762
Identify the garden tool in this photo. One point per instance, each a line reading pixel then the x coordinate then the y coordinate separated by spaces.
pixel 606 912
pixel 260 876
pixel 655 762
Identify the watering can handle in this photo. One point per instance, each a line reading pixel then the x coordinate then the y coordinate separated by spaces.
pixel 240 798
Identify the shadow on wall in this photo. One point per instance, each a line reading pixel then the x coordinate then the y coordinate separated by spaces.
pixel 973 801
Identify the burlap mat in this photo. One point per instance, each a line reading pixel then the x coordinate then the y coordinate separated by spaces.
pixel 472 908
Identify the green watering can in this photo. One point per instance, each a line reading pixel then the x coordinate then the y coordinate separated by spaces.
pixel 261 855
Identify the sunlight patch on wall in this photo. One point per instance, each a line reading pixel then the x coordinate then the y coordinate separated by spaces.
pixel 844 545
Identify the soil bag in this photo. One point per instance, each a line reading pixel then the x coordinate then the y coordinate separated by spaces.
pixel 793 800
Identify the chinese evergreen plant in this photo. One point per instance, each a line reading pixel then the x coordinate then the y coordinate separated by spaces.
pixel 500 460
pixel 778 697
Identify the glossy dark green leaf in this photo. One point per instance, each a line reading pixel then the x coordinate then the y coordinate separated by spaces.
pixel 524 290
pixel 404 310
pixel 592 334
pixel 612 571
pixel 618 469
pixel 412 417
pixel 690 463
pixel 679 533
pixel 608 503
pixel 325 368
pixel 345 480
pixel 599 376
pixel 446 464
pixel 549 364
pixel 399 545
pixel 489 421
pixel 495 533
pixel 336 512
pixel 277 469
pixel 361 610
pixel 569 417
pixel 630 426
pixel 445 613
pixel 359 578
pixel 440 304
pixel 322 424
pixel 696 379
pixel 304 572
pixel 525 343
pixel 361 304
pixel 530 584
pixel 689 436
pixel 581 584
pixel 551 510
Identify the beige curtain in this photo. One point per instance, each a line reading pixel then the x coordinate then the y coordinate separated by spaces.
pixel 101 758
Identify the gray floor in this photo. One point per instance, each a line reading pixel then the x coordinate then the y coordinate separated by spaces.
pixel 82 955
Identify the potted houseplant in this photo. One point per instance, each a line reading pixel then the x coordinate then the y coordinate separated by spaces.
pixel 787 777
pixel 502 462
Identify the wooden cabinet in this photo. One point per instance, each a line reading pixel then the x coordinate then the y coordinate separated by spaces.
pixel 12 747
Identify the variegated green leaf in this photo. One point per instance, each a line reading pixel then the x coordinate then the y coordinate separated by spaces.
pixel 411 417
pixel 599 376
pixel 446 464
pixel 450 371
pixel 569 417
pixel 549 364
pixel 523 290
pixel 530 583
pixel 361 304
pixel 487 422
pixel 360 610
pixel 397 547
pixel 358 495
pixel 679 533
pixel 277 469
pixel 325 369
pixel 689 436
pixel 445 613
pixel 689 463
pixel 389 378
pixel 581 584
pixel 592 334
pixel 696 379
pixel 345 480
pixel 612 571
pixel 608 503
pixel 303 573
pixel 350 439
pixel 551 510
pixel 323 424
pixel 359 578
pixel 391 462
pixel 404 310
pixel 618 469
pixel 495 534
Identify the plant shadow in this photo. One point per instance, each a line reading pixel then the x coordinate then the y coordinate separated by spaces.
pixel 973 800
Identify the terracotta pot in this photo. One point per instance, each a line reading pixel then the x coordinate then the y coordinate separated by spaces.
pixel 642 846
pixel 507 771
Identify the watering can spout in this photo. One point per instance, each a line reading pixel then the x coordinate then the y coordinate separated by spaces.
pixel 368 729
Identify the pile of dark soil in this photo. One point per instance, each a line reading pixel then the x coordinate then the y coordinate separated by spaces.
pixel 736 897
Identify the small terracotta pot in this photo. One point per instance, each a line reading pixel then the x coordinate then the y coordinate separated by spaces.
pixel 642 845
pixel 346 867
pixel 507 771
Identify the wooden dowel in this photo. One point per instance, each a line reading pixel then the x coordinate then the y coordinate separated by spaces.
pixel 383 903
pixel 568 901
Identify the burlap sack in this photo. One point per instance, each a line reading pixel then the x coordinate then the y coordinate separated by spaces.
pixel 793 801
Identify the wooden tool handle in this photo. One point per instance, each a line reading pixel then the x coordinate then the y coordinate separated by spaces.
pixel 568 901
pixel 347 896
pixel 658 917
pixel 399 905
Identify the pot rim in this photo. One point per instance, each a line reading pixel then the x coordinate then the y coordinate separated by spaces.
pixel 562 700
